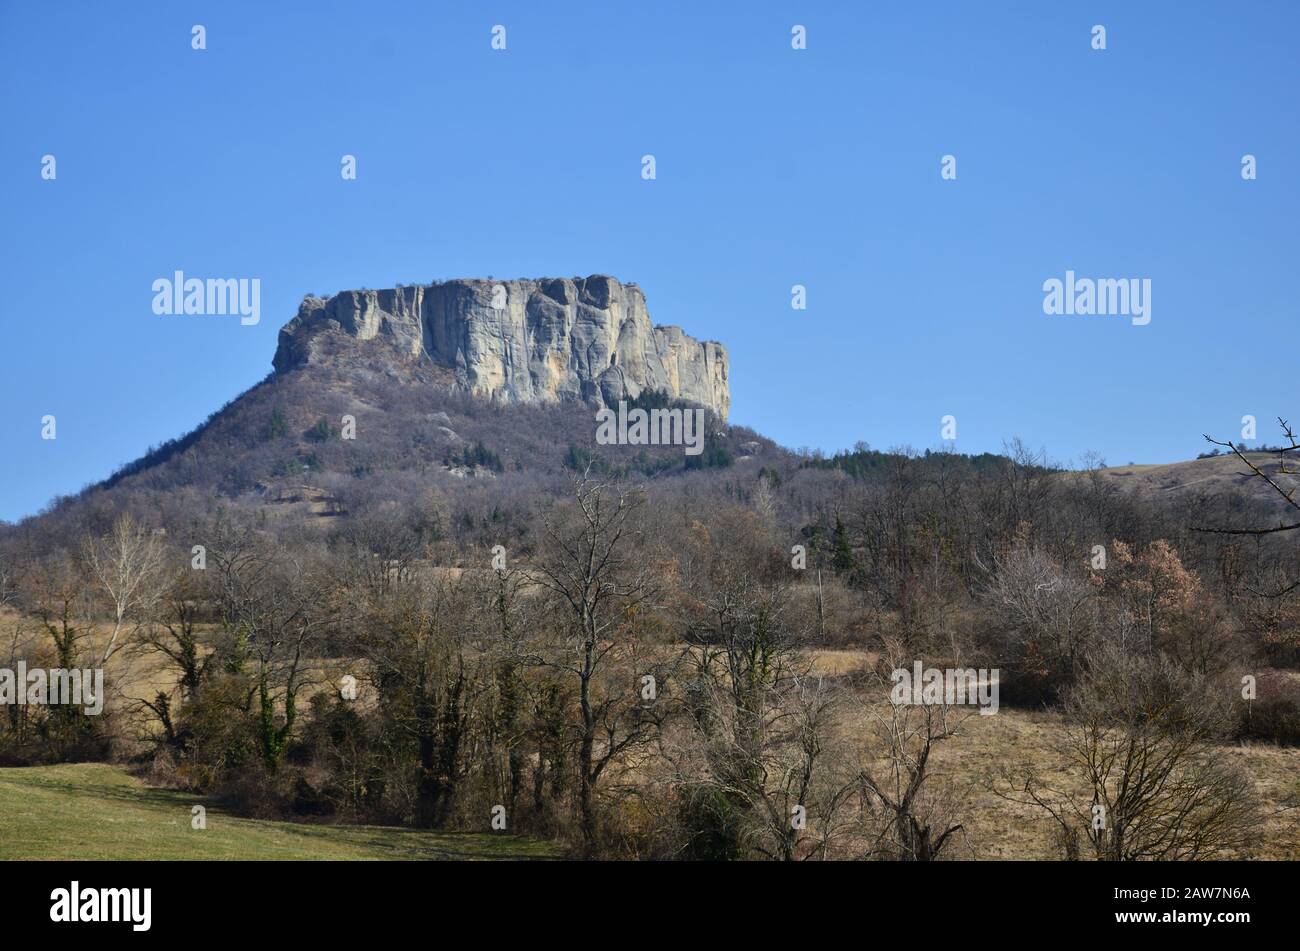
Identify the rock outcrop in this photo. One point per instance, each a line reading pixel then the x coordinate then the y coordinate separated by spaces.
pixel 525 341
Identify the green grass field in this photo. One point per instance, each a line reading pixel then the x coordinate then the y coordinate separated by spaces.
pixel 91 811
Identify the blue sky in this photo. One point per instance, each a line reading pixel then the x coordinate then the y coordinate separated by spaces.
pixel 775 167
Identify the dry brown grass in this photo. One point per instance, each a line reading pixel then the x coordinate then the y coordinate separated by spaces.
pixel 998 829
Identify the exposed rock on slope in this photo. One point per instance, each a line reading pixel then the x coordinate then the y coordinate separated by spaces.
pixel 527 341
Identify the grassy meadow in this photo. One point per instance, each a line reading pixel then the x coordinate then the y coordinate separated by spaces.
pixel 93 812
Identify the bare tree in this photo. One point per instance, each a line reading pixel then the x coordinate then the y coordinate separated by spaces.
pixel 503 597
pixel 382 548
pixel 761 719
pixel 1144 785
pixel 65 608
pixel 428 677
pixel 275 610
pixel 771 765
pixel 125 566
pixel 916 801
pixel 596 571
pixel 1047 619
pixel 1284 468
pixel 172 635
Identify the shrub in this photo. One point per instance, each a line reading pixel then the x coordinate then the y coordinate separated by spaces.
pixel 479 455
pixel 321 432
pixel 713 457
pixel 1274 716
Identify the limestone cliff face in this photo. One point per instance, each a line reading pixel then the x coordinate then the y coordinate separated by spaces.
pixel 526 341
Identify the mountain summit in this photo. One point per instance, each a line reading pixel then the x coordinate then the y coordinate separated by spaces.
pixel 539 341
